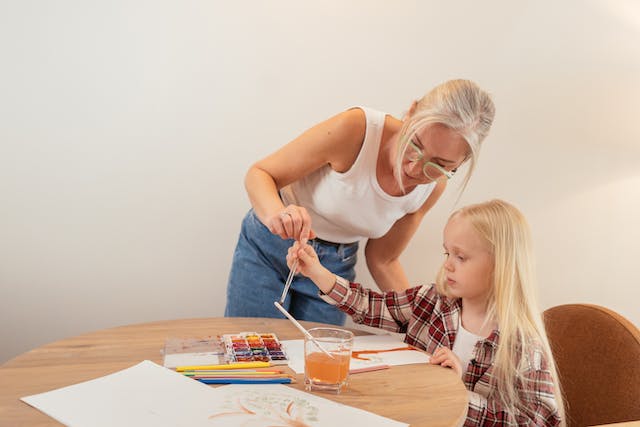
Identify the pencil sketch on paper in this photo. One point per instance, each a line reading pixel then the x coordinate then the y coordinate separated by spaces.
pixel 256 409
pixel 372 355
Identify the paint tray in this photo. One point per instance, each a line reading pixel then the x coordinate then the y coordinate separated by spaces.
pixel 254 347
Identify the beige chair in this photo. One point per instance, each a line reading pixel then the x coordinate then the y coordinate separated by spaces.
pixel 597 352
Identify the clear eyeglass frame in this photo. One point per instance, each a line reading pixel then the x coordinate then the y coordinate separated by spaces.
pixel 437 171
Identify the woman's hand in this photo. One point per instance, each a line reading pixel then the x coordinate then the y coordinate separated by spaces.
pixel 309 265
pixel 293 222
pixel 443 356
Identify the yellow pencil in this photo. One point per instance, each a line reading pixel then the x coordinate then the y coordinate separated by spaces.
pixel 241 365
pixel 227 373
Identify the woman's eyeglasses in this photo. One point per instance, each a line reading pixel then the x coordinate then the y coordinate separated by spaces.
pixel 431 170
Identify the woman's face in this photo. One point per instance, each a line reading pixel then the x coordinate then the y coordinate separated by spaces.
pixel 433 144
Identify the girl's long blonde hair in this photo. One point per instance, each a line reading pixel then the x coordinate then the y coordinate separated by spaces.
pixel 512 302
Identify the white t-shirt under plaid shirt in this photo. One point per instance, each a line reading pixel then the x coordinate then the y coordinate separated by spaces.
pixel 464 344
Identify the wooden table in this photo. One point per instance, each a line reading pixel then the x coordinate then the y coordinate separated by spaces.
pixel 625 424
pixel 419 394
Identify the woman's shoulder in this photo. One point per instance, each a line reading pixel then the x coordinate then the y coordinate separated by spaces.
pixel 349 124
pixel 354 121
pixel 362 115
pixel 353 117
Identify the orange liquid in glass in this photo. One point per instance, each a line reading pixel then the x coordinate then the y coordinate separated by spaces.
pixel 322 368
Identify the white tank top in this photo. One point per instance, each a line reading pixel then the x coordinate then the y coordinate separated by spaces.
pixel 346 207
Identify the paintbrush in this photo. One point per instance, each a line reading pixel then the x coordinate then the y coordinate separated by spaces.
pixel 287 284
pixel 302 329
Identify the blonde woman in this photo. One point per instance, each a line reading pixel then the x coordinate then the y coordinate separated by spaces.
pixel 361 175
pixel 480 318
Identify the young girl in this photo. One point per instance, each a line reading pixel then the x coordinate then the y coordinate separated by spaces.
pixel 480 318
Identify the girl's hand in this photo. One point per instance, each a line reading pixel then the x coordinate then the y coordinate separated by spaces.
pixel 443 356
pixel 293 222
pixel 309 265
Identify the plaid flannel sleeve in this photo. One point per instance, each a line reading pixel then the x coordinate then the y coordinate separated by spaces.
pixel 539 406
pixel 389 310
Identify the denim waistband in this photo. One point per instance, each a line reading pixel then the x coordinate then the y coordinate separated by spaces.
pixel 334 244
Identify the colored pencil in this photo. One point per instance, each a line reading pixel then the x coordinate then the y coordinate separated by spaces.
pixel 273 369
pixel 217 377
pixel 230 372
pixel 239 365
pixel 368 369
pixel 233 374
pixel 244 381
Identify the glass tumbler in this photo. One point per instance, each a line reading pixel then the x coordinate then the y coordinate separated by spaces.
pixel 327 372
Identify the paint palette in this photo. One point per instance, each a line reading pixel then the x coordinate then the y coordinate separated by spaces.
pixel 254 347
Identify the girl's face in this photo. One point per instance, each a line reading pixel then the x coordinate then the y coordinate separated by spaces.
pixel 468 266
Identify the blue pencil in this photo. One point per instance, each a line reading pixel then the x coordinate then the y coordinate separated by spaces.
pixel 244 381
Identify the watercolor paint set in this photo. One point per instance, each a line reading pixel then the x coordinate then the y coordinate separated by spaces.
pixel 254 347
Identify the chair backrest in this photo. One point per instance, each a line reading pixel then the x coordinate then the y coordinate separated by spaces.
pixel 597 352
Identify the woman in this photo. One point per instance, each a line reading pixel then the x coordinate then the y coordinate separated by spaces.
pixel 359 175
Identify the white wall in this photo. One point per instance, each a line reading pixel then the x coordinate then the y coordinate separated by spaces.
pixel 126 128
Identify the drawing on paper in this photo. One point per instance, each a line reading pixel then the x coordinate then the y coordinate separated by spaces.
pixel 255 409
pixel 358 354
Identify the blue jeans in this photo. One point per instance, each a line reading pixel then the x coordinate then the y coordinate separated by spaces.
pixel 259 270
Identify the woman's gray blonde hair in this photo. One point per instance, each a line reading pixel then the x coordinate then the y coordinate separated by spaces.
pixel 460 105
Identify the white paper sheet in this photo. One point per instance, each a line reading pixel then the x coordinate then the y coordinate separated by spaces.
pixel 295 351
pixel 143 395
pixel 278 405
pixel 150 395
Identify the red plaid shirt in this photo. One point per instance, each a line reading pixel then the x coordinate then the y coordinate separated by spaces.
pixel 430 320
